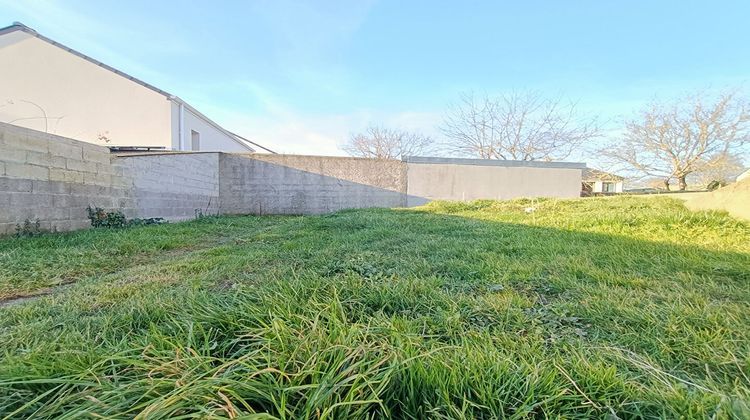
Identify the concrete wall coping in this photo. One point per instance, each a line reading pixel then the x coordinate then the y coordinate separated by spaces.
pixel 407 159
pixel 493 162
pixel 164 153
pixel 294 155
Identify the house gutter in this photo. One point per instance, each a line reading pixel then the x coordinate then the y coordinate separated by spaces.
pixel 181 128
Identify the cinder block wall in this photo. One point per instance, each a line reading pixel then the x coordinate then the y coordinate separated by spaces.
pixel 174 186
pixel 53 179
pixel 294 184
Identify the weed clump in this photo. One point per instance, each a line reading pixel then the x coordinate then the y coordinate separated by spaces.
pixel 101 218
pixel 29 229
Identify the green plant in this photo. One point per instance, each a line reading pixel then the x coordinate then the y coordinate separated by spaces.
pixel 715 184
pixel 145 222
pixel 29 229
pixel 101 218
pixel 108 219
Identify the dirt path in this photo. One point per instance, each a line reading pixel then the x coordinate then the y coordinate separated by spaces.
pixel 36 294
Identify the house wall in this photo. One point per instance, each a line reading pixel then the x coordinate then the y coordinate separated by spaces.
pixel 471 179
pixel 598 186
pixel 211 138
pixel 81 99
pixel 291 184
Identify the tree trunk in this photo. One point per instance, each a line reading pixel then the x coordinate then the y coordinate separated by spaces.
pixel 683 182
pixel 666 184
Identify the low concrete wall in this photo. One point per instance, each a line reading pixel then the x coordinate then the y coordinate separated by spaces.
pixel 292 184
pixel 471 179
pixel 173 186
pixel 54 179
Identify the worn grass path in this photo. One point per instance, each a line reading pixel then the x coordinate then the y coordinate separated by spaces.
pixel 619 307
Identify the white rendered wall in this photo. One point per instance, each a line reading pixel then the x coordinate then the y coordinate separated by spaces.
pixel 211 138
pixel 81 99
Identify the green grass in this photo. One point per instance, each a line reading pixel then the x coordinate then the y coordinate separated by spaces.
pixel 613 307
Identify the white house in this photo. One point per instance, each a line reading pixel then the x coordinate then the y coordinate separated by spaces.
pixel 47 86
pixel 600 182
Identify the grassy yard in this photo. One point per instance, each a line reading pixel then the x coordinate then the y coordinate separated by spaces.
pixel 612 307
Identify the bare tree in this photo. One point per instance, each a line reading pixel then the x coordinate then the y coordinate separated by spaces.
pixel 722 168
pixel 517 126
pixel 384 143
pixel 674 140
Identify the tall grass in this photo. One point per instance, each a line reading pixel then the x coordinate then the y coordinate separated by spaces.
pixel 619 308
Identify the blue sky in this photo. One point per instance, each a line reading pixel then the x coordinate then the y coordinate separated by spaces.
pixel 300 76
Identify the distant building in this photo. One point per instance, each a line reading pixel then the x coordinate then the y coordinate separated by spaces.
pixel 47 86
pixel 595 182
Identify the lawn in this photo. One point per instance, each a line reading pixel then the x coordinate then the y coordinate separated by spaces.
pixel 611 307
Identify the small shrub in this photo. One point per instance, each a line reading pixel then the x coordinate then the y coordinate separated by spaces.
pixel 148 221
pixel 101 218
pixel 29 229
pixel 714 185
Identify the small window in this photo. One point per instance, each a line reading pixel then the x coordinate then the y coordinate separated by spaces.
pixel 195 140
pixel 608 187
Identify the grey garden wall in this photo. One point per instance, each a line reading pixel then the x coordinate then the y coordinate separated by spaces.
pixel 293 184
pixel 471 179
pixel 54 179
pixel 174 186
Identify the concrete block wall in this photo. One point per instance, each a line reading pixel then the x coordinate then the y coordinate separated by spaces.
pixel 53 179
pixel 294 184
pixel 173 186
pixel 472 179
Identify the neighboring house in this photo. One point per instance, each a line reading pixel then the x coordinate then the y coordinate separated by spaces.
pixel 47 86
pixel 595 181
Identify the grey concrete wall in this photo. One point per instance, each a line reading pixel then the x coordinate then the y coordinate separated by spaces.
pixel 171 185
pixel 54 179
pixel 292 184
pixel 471 179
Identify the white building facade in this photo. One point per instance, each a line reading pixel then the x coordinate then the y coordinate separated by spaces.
pixel 595 182
pixel 49 87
